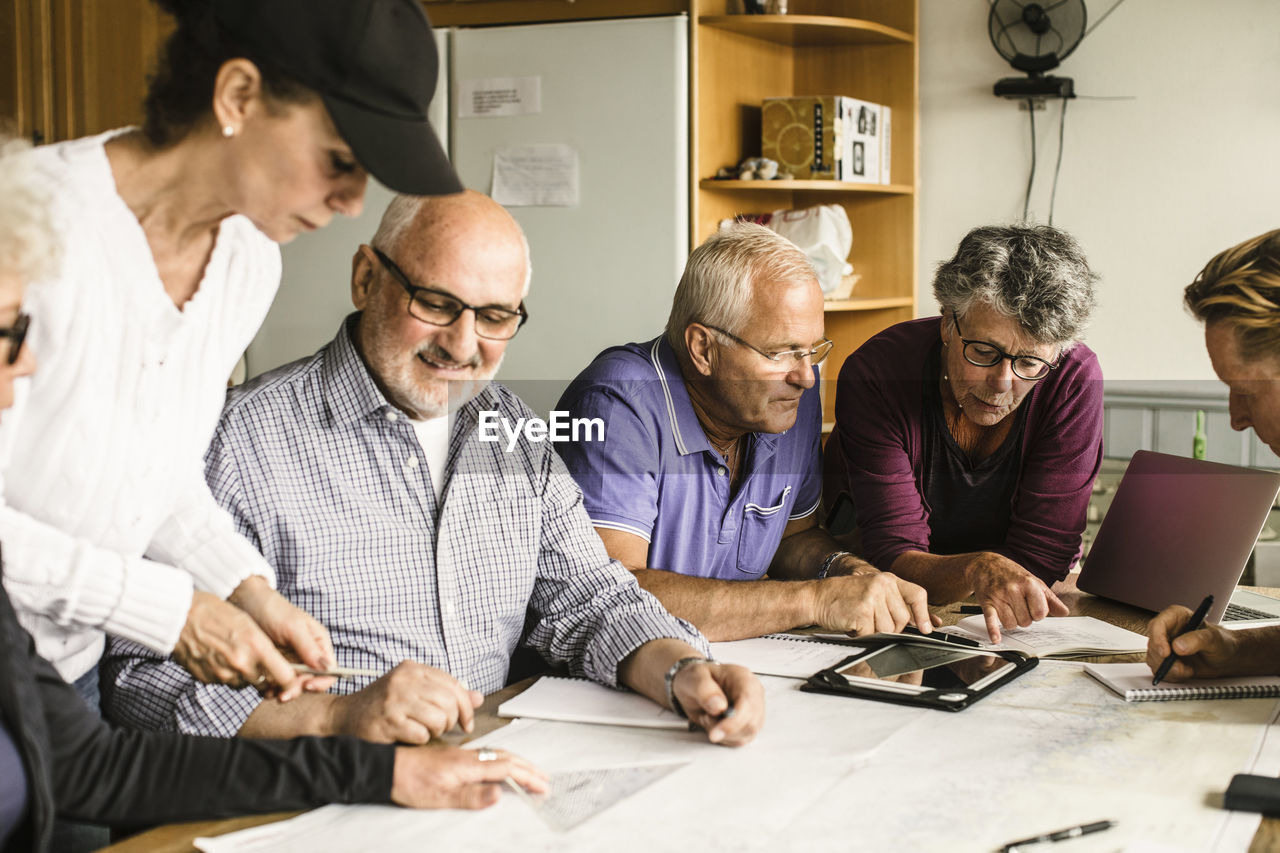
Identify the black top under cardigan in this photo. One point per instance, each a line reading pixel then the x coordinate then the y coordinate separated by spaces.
pixel 87 770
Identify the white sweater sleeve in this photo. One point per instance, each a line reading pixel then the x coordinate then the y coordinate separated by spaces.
pixel 73 582
pixel 200 537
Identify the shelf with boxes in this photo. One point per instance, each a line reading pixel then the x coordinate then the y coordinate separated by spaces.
pixel 830 50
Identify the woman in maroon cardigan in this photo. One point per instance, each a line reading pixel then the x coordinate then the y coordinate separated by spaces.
pixel 969 442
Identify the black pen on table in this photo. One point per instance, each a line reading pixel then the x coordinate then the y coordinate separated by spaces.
pixel 1060 835
pixel 1197 619
pixel 969 608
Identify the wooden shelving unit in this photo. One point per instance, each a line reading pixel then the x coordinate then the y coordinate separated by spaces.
pixel 862 48
pixel 808 30
pixel 725 185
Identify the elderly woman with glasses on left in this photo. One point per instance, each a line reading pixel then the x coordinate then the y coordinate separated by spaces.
pixel 969 443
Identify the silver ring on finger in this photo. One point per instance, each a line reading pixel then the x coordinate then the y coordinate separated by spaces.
pixel 487 754
pixel 262 679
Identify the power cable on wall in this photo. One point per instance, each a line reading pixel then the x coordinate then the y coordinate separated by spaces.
pixel 1062 132
pixel 1031 178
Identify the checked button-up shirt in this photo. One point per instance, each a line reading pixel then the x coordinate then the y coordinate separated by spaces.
pixel 329 481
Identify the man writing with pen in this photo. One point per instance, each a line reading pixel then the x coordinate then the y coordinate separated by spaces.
pixel 1237 296
pixel 428 553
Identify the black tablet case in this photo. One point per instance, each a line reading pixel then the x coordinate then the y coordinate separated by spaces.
pixel 951 699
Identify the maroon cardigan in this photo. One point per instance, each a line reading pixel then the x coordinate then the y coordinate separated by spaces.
pixel 878 447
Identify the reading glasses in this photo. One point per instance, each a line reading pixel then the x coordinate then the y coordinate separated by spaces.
pixel 816 355
pixel 441 308
pixel 986 354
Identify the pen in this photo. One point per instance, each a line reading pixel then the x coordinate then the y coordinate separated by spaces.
pixel 1196 619
pixel 969 608
pixel 942 637
pixel 336 672
pixel 728 712
pixel 1060 835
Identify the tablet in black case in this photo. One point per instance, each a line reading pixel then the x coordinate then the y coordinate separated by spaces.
pixel 919 671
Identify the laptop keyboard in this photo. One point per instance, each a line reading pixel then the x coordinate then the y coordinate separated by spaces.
pixel 1236 612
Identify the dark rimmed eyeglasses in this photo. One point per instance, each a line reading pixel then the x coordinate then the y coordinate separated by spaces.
pixel 17 334
pixel 441 308
pixel 786 357
pixel 986 354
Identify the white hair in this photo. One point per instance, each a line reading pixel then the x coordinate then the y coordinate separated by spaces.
pixel 29 246
pixel 721 274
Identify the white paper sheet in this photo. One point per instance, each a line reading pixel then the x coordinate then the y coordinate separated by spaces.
pixel 536 176
pixel 724 800
pixel 1052 749
pixel 499 96
pixel 1058 635
pixel 577 700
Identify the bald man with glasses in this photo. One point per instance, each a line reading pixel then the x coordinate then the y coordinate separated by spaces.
pixel 429 553
pixel 708 478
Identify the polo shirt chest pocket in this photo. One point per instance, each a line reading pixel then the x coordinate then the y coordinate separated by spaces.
pixel 761 530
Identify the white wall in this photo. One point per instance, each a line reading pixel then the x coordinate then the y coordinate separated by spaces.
pixel 1152 187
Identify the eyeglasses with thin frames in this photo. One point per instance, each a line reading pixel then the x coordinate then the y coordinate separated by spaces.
pixel 816 355
pixel 16 334
pixel 441 308
pixel 985 354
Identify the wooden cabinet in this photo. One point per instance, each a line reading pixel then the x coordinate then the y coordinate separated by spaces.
pixel 860 48
pixel 74 67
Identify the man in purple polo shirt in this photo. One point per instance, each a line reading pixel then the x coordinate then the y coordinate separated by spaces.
pixel 709 468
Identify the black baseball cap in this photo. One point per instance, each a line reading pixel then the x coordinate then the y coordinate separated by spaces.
pixel 374 64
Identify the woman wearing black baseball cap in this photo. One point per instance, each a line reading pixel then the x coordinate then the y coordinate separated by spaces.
pixel 262 121
pixel 59 758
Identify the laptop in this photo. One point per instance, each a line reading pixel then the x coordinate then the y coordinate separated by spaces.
pixel 1179 529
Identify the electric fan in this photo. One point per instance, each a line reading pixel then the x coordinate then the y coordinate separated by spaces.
pixel 1035 38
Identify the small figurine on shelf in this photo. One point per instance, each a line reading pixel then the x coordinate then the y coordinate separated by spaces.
pixel 753 169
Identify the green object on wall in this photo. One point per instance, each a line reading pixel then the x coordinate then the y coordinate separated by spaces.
pixel 1197 442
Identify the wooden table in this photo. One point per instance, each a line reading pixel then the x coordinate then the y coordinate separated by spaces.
pixel 179 837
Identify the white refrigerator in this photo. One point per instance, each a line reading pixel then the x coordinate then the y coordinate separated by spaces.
pixel 615 94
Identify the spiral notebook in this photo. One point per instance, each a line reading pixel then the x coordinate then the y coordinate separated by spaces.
pixel 786 655
pixel 1133 682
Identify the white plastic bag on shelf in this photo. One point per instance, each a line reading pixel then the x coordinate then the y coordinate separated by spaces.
pixel 824 234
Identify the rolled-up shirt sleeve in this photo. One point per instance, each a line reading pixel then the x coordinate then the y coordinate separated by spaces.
pixel 144 691
pixel 587 611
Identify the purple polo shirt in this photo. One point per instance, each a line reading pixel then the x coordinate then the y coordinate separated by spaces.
pixel 657 476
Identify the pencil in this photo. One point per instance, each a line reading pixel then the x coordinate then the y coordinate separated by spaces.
pixel 336 672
